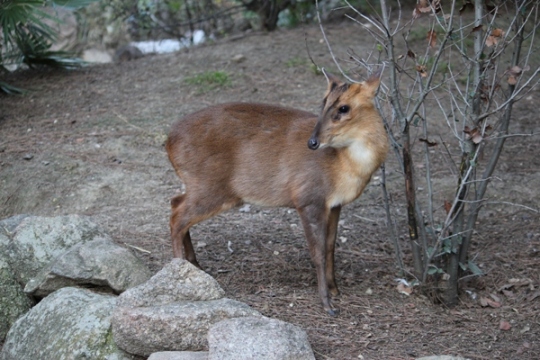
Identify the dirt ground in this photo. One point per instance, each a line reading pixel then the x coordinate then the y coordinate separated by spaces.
pixel 91 142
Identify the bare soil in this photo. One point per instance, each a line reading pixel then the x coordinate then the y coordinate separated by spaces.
pixel 91 142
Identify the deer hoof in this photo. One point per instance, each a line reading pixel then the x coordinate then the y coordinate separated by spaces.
pixel 333 312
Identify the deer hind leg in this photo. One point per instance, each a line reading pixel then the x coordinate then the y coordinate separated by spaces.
pixel 315 221
pixel 331 235
pixel 188 210
pixel 181 239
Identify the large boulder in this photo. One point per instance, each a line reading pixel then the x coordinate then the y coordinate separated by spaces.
pixel 172 311
pixel 179 326
pixel 71 323
pixel 99 262
pixel 179 355
pixel 36 240
pixel 13 301
pixel 253 338
pixel 179 280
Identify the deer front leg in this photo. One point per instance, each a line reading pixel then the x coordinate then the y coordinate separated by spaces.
pixel 315 223
pixel 331 235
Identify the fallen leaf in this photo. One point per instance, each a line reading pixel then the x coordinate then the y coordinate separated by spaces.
pixel 495 297
pixel 485 302
pixel 533 296
pixel 505 325
pixel 508 293
pixel 520 282
pixel 404 289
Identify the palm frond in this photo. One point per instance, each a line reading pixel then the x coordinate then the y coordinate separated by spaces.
pixel 10 89
pixel 27 38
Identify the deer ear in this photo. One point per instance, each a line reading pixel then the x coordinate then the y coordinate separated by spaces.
pixel 371 85
pixel 333 81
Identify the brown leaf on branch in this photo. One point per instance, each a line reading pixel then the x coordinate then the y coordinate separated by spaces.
pixel 432 38
pixel 425 7
pixel 494 37
pixel 466 5
pixel 486 90
pixel 515 70
pixel 477 28
pixel 428 142
pixel 447 206
pixel 497 33
pixel 422 70
pixel 513 73
pixel 411 54
pixel 474 135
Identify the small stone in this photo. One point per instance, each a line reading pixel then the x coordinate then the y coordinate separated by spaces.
pixel 28 157
pixel 238 58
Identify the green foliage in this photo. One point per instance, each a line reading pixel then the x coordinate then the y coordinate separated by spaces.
pixel 26 38
pixel 209 80
pixel 296 62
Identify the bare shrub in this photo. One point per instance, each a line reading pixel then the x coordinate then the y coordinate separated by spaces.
pixel 453 73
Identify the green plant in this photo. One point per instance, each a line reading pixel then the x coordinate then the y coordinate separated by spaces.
pixel 27 39
pixel 209 80
pixel 296 62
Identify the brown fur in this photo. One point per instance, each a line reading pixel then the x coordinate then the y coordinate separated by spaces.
pixel 243 152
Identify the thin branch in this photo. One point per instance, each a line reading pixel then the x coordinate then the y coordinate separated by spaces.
pixel 329 46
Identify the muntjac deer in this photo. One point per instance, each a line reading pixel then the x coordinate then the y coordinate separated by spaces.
pixel 275 156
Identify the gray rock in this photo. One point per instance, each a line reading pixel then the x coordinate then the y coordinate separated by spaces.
pixel 70 323
pixel 13 301
pixel 38 240
pixel 127 53
pixel 99 262
pixel 8 226
pixel 258 338
pixel 179 355
pixel 177 281
pixel 7 229
pixel 175 327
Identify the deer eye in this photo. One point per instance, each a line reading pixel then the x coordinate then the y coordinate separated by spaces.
pixel 344 109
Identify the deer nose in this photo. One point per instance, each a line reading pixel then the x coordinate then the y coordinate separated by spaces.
pixel 313 143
